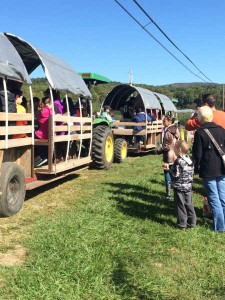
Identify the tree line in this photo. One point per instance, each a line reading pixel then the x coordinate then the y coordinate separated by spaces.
pixel 184 92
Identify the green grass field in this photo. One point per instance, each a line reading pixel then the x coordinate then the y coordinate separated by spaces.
pixel 111 235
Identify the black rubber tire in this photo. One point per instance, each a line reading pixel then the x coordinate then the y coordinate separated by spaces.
pixel 119 147
pixel 100 136
pixel 13 189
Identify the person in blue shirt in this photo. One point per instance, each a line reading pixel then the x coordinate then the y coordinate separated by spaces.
pixel 140 117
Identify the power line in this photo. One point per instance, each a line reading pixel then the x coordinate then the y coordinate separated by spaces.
pixel 143 27
pixel 152 21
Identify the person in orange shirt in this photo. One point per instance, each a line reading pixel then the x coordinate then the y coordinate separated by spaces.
pixel 20 109
pixel 218 115
pixel 192 123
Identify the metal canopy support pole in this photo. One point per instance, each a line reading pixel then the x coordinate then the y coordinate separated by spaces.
pixel 6 113
pixel 90 105
pixel 151 127
pixel 81 128
pixel 146 124
pixel 223 97
pixel 32 113
pixel 51 149
pixel 32 133
pixel 69 129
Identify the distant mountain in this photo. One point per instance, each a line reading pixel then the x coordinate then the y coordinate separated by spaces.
pixel 186 84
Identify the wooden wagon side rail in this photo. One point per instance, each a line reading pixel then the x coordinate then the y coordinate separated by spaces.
pixel 72 128
pixel 65 129
pixel 130 123
pixel 127 128
pixel 7 132
pixel 15 116
pixel 151 132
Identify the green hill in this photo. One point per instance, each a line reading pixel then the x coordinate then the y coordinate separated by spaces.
pixel 184 92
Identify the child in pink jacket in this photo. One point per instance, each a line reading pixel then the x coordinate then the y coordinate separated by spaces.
pixel 42 117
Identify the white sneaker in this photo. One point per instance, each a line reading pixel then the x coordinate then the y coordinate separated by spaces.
pixel 42 162
pixel 169 198
pixel 37 162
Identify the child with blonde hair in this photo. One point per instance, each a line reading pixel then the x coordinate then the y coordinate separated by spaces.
pixel 182 173
pixel 20 109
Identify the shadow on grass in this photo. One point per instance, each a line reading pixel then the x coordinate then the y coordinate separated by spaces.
pixel 140 154
pixel 198 187
pixel 219 292
pixel 120 279
pixel 196 190
pixel 140 202
pixel 144 203
pixel 51 185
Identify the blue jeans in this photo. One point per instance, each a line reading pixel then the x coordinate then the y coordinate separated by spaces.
pixel 215 188
pixel 168 181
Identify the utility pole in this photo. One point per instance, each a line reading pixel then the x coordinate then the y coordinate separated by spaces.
pixel 130 77
pixel 223 97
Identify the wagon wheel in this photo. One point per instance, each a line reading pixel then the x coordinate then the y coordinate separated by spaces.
pixel 12 182
pixel 120 150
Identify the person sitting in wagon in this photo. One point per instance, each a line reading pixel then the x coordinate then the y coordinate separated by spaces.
pixel 152 114
pixel 106 113
pixel 42 115
pixel 140 117
pixel 20 109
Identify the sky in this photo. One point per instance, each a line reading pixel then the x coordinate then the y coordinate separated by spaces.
pixel 99 36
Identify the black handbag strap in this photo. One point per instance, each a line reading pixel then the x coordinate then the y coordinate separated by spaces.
pixel 214 142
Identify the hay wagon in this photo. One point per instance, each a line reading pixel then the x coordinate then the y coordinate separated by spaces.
pixel 17 155
pixel 124 97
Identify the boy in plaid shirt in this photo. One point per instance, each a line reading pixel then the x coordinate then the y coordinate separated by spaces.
pixel 182 173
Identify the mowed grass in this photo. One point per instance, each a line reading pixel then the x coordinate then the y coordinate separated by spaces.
pixel 111 235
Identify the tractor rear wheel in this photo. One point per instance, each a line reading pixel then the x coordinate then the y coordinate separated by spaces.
pixel 102 147
pixel 120 150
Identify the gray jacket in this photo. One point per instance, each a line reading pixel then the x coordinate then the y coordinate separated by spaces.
pixel 182 173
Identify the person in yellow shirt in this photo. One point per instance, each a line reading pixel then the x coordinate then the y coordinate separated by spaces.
pixel 20 110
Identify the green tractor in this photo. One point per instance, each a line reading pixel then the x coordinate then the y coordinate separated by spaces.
pixel 105 149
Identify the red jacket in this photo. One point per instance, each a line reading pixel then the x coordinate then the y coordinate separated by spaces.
pixel 218 119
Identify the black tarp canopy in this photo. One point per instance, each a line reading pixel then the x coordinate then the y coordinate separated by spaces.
pixel 60 75
pixel 11 64
pixel 166 102
pixel 119 95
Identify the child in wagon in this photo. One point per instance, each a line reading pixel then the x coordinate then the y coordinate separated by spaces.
pixel 20 109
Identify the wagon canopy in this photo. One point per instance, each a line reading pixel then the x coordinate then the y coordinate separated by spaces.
pixel 118 96
pixel 60 75
pixel 167 103
pixel 11 64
